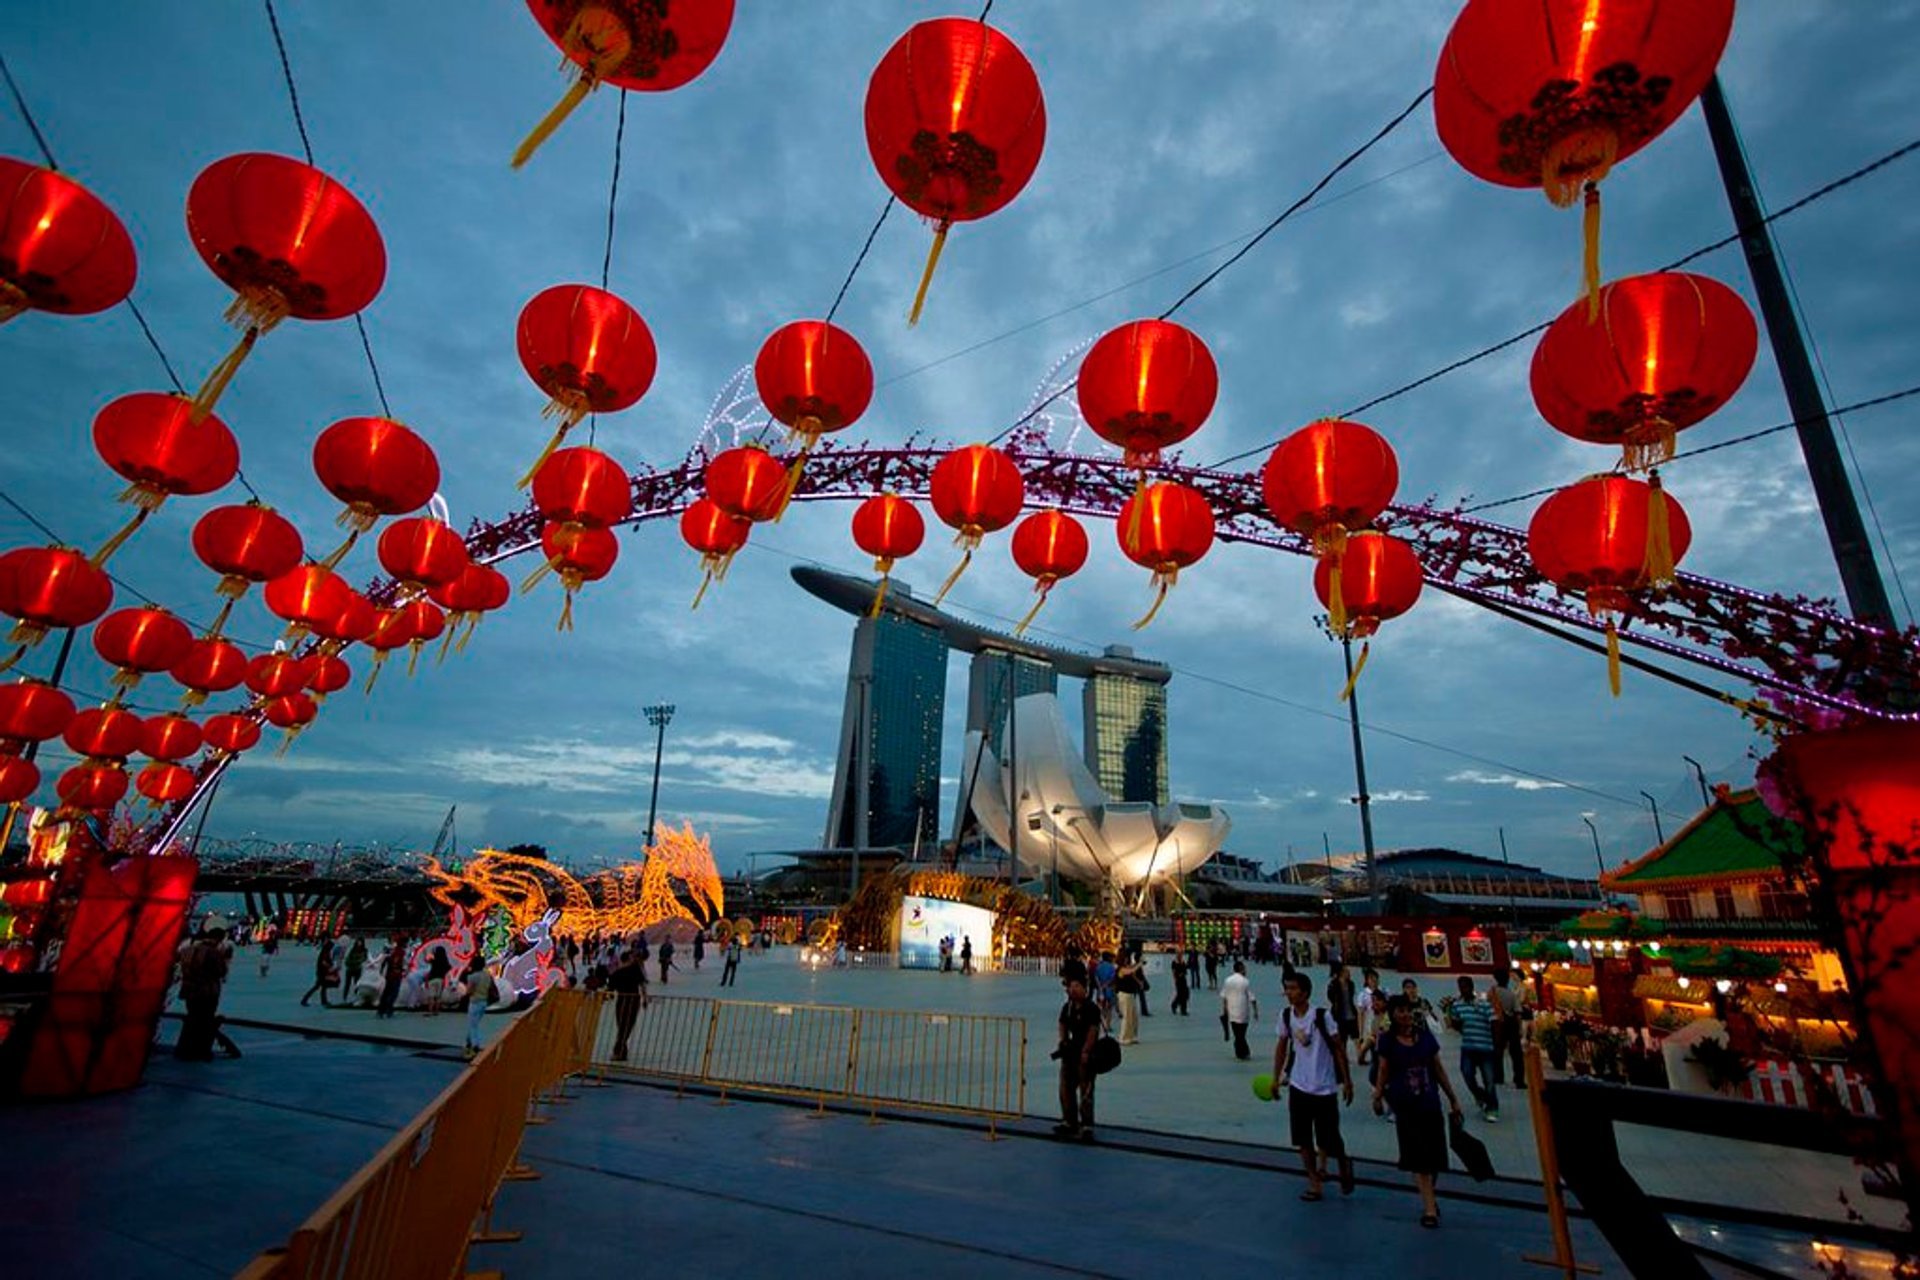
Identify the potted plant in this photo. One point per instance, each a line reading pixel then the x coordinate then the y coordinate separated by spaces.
pixel 1726 1070
pixel 1552 1039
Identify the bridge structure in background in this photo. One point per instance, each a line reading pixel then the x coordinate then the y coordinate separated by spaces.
pixel 376 886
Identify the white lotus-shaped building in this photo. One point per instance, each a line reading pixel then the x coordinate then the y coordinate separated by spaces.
pixel 1061 812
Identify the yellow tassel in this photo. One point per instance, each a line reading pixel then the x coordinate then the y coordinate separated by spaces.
pixel 1590 232
pixel 1366 651
pixel 220 619
pixel 1613 657
pixel 527 583
pixel 13 658
pixel 340 552
pixel 926 277
pixel 880 593
pixel 807 441
pixel 380 657
pixel 192 698
pixel 726 563
pixel 1659 567
pixel 958 569
pixel 1337 593
pixel 1329 540
pixel 286 743
pixel 446 645
pixel 413 658
pixel 216 383
pixel 143 496
pixel 1133 513
pixel 545 453
pixel 1648 445
pixel 113 544
pixel 1162 580
pixel 705 582
pixel 126 681
pixel 13 301
pixel 566 614
pixel 26 634
pixel 1040 591
pixel 575 95
pixel 473 624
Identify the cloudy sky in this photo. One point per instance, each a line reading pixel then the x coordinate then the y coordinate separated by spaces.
pixel 1174 132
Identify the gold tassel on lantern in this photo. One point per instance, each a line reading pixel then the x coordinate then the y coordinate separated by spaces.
pixel 531 580
pixel 566 610
pixel 1660 568
pixel 1163 580
pixel 13 658
pixel 380 657
pixel 1040 590
pixel 99 558
pixel 605 42
pixel 1613 656
pixel 807 432
pixel 413 658
pixel 210 391
pixel 926 277
pixel 1366 651
pixel 1590 256
pixel 1575 166
pixel 541 461
pixel 969 538
pixel 1336 592
pixel 1133 513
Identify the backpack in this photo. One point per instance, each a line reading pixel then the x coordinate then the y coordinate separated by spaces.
pixel 1319 1021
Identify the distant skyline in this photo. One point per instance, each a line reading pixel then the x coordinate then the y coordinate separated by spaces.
pixel 1175 132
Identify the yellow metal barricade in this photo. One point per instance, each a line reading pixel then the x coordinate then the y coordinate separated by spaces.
pixel 942 1061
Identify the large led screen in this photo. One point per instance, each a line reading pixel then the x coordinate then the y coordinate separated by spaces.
pixel 924 921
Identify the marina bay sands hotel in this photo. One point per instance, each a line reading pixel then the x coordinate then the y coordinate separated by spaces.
pixel 886 786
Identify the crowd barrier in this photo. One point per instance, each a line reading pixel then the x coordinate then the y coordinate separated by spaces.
pixel 973 1064
pixel 415 1208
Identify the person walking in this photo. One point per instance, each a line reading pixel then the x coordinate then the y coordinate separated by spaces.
pixel 628 982
pixel 966 954
pixel 1104 973
pixel 1409 1076
pixel 481 990
pixel 439 965
pixel 1126 986
pixel 666 958
pixel 1213 964
pixel 1506 1029
pixel 1472 1017
pixel 1366 1007
pixel 1140 963
pixel 393 968
pixel 730 968
pixel 269 948
pixel 356 965
pixel 1310 1063
pixel 1193 966
pixel 1182 988
pixel 1238 1007
pixel 203 971
pixel 699 949
pixel 1341 1002
pixel 323 976
pixel 1080 1027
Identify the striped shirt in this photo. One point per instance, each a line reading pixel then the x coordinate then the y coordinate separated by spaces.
pixel 1475 1017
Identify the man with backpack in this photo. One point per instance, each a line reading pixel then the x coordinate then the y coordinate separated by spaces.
pixel 1310 1063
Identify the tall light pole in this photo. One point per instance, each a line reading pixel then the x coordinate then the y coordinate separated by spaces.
pixel 1599 859
pixel 1364 800
pixel 1705 799
pixel 1659 834
pixel 659 715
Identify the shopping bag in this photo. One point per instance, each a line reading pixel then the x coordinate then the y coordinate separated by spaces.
pixel 1471 1151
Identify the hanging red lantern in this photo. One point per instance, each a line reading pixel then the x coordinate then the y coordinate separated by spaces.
pixel 273 675
pixel 1671 349
pixel 976 490
pixel 105 732
pixel 479 590
pixel 1146 386
pixel 814 379
pixel 230 734
pixel 1328 478
pixel 422 553
pixel 583 486
pixel 140 641
pixel 589 351
pixel 19 779
pixel 392 629
pixel 169 737
pixel 717 536
pixel 307 597
pixel 579 554
pixel 378 468
pixel 1165 527
pixel 33 711
pixel 955 125
pixel 425 622
pixel 330 674
pixel 45 588
pixel 289 241
pixel 163 783
pixel 1373 577
pixel 292 712
pixel 61 249
pixel 649 47
pixel 1048 546
pixel 92 786
pixel 888 528
pixel 747 482
pixel 152 441
pixel 245 544
pixel 1609 537
pixel 212 665
pixel 351 623
pixel 1554 94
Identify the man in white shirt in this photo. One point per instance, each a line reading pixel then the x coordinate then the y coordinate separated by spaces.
pixel 1310 1062
pixel 1238 1007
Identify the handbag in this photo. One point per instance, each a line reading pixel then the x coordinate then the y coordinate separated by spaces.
pixel 1104 1056
pixel 1472 1152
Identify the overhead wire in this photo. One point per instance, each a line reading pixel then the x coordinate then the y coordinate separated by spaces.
pixel 20 101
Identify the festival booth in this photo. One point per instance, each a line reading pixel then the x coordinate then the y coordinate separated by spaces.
pixel 1408 944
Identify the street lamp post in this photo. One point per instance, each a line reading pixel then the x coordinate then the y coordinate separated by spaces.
pixel 659 715
pixel 1659 833
pixel 1705 799
pixel 1364 800
pixel 1599 859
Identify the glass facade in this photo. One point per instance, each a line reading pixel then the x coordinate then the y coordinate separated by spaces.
pixel 995 680
pixel 897 693
pixel 1126 736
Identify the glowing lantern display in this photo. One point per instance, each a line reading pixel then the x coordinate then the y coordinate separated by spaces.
pixel 747 482
pixel 164 783
pixel 1669 350
pixel 230 734
pixel 1048 546
pixel 976 490
pixel 814 379
pixel 245 544
pixel 1380 577
pixel 92 786
pixel 307 597
pixel 105 733
pixel 170 737
pixel 289 241
pixel 61 249
pixel 19 778
pixel 330 674
pixel 589 351
pixel 579 554
pixel 350 623
pixel 1146 386
pixel 153 442
pixel 140 641
pixel 422 553
pixel 212 665
pixel 1609 537
pixel 378 468
pixel 888 528
pixel 33 711
pixel 392 629
pixel 1554 94
pixel 651 47
pixel 583 487
pixel 44 588
pixel 292 712
pixel 272 675
pixel 717 536
pixel 1166 527
pixel 1328 478
pixel 425 622
pixel 955 125
pixel 478 591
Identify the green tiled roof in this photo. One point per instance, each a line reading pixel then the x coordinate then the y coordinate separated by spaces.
pixel 1731 840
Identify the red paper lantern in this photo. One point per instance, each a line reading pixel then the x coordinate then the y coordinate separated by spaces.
pixel 245 544
pixel 1670 349
pixel 92 786
pixel 288 240
pixel 1048 546
pixel 19 779
pixel 352 622
pixel 33 711
pixel 107 733
pixel 583 486
pixel 646 47
pixel 1165 527
pixel 377 467
pixel 230 734
pixel 152 442
pixel 169 737
pixel 293 711
pixel 1146 386
pixel 976 490
pixel 164 784
pixel 392 629
pixel 212 665
pixel 272 675
pixel 589 351
pixel 1328 478
pixel 579 554
pixel 61 249
pixel 716 535
pixel 814 378
pixel 479 590
pixel 1380 577
pixel 307 597
pixel 425 622
pixel 422 553
pixel 888 528
pixel 747 482
pixel 1553 93
pixel 330 674
pixel 1609 537
pixel 955 125
pixel 45 588
pixel 140 641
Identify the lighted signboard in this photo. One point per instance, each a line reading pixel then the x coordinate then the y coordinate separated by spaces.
pixel 924 921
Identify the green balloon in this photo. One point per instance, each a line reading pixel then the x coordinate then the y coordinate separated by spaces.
pixel 1263 1088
